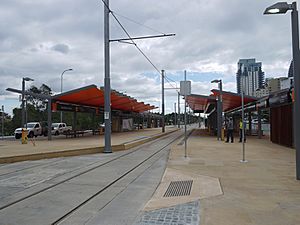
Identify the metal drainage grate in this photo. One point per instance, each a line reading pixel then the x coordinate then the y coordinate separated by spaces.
pixel 179 188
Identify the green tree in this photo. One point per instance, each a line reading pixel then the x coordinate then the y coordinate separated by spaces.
pixel 40 104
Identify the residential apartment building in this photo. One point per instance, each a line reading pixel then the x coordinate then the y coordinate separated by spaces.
pixel 261 92
pixel 286 83
pixel 274 84
pixel 249 76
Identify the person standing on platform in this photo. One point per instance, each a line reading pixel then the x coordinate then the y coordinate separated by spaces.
pixel 242 126
pixel 229 128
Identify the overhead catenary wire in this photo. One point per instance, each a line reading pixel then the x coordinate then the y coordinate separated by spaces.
pixel 143 25
pixel 134 43
pixel 128 35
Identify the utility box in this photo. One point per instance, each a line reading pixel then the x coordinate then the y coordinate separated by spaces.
pixel 185 87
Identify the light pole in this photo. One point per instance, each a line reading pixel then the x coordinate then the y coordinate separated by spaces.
pixel 220 109
pixel 282 8
pixel 23 96
pixel 61 89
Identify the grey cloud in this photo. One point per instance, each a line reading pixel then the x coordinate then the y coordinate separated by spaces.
pixel 208 32
pixel 62 48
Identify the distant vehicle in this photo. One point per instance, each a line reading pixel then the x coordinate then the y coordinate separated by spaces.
pixel 60 128
pixel 34 129
pixel 44 125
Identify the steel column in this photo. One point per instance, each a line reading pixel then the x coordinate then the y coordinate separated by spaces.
pixel 178 110
pixel 175 118
pixel 107 109
pixel 259 133
pixel 23 103
pixel 49 120
pixel 163 100
pixel 185 133
pixel 296 68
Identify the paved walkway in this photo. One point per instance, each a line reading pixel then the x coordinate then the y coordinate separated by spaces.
pixel 60 144
pixel 262 191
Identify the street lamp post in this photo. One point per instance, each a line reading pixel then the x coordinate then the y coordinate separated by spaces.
pixel 23 98
pixel 220 109
pixel 61 89
pixel 282 8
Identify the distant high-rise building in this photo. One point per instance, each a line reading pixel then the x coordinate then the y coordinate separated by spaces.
pixel 249 76
pixel 291 70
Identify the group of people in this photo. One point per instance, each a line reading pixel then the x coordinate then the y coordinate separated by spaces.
pixel 229 126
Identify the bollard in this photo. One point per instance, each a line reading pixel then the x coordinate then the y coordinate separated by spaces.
pixel 24 136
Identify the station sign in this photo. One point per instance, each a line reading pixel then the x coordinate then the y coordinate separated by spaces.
pixel 73 108
pixel 280 98
pixel 185 87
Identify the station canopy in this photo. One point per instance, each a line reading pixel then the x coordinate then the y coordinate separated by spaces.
pixel 199 103
pixel 202 103
pixel 232 100
pixel 94 97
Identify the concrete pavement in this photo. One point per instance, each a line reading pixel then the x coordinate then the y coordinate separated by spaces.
pixel 262 191
pixel 14 151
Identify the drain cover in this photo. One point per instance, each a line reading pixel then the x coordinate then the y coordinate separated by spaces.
pixel 179 188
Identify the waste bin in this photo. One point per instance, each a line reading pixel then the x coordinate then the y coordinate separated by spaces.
pixel 24 136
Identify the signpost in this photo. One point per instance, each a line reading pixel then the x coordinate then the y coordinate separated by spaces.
pixel 185 89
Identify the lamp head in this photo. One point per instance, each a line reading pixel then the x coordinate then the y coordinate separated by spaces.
pixel 28 79
pixel 216 81
pixel 278 8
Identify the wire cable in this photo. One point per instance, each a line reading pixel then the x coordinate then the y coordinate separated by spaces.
pixel 133 42
pixel 143 25
pixel 128 35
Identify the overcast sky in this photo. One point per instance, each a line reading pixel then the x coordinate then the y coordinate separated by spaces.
pixel 40 39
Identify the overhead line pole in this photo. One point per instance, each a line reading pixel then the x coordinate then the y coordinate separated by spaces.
pixel 107 109
pixel 107 90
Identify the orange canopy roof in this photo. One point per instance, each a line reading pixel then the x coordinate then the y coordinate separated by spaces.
pixel 199 102
pixel 232 100
pixel 94 97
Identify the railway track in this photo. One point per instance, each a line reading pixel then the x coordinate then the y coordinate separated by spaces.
pixel 55 204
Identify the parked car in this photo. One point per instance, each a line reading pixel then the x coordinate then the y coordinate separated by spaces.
pixel 44 125
pixel 60 128
pixel 34 129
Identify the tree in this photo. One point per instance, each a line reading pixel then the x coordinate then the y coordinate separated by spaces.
pixel 39 104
